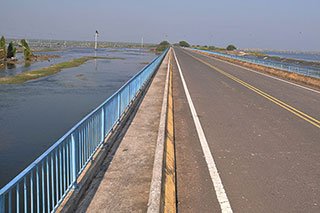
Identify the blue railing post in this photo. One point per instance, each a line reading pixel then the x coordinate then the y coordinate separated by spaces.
pixel 129 93
pixel 74 160
pixel 119 105
pixel 2 207
pixel 102 124
pixel 25 194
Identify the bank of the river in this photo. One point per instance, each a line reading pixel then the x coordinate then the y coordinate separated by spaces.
pixel 43 72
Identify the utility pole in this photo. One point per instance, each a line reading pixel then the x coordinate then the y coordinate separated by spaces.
pixel 96 40
pixel 142 42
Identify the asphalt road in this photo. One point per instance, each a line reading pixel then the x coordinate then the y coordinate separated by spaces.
pixel 262 133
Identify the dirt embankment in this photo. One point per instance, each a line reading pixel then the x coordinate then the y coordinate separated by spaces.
pixel 298 78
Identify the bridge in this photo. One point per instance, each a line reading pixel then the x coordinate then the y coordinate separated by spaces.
pixel 191 132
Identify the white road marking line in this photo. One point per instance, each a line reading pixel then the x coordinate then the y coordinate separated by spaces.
pixel 279 79
pixel 216 180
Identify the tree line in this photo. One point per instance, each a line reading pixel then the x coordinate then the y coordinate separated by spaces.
pixel 165 44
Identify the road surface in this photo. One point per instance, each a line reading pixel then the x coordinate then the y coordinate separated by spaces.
pixel 263 136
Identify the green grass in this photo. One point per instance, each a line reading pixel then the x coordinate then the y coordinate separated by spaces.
pixel 47 71
pixel 258 54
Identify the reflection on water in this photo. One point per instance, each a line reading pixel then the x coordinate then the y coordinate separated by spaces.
pixel 2 66
pixel 35 114
pixel 27 64
pixel 7 66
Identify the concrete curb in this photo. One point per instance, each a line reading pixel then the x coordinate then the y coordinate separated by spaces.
pixel 154 204
pixel 160 184
pixel 169 188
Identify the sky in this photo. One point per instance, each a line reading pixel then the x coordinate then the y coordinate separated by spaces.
pixel 261 24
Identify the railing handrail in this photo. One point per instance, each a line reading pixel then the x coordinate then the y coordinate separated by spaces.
pixel 68 133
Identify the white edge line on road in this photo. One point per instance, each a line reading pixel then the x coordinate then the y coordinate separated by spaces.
pixel 154 202
pixel 251 70
pixel 215 177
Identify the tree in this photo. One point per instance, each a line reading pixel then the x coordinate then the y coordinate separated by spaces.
pixel 162 46
pixel 184 44
pixel 2 55
pixel 26 50
pixel 3 52
pixel 231 47
pixel 164 43
pixel 11 52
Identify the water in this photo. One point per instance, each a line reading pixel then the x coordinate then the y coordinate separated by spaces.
pixel 299 56
pixel 309 69
pixel 35 114
pixel 64 55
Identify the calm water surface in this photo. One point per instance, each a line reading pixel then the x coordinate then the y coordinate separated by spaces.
pixel 35 114
pixel 64 55
pixel 300 56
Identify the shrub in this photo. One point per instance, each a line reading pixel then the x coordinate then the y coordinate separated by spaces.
pixel 212 48
pixel 164 43
pixel 184 44
pixel 162 46
pixel 231 47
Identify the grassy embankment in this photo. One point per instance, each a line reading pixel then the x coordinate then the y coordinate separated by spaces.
pixel 47 71
pixel 302 79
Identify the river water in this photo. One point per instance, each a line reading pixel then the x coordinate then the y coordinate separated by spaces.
pixel 299 56
pixel 34 115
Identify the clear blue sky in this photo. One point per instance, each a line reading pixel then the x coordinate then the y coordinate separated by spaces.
pixel 268 24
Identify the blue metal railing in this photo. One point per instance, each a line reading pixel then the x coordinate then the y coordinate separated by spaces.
pixel 42 186
pixel 277 65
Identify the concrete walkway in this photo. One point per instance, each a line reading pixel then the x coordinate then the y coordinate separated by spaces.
pixel 125 185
